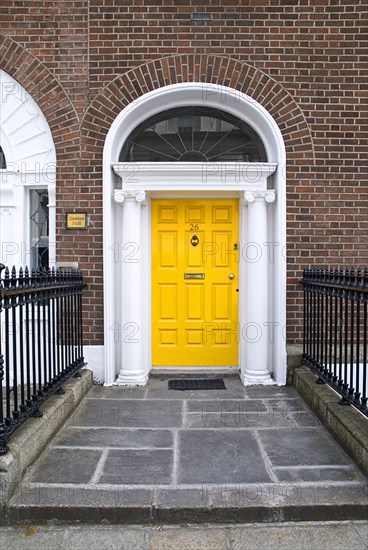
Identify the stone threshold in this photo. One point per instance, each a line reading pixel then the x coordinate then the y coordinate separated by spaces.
pixel 231 504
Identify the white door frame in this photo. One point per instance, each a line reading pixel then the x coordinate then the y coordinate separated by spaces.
pixel 131 185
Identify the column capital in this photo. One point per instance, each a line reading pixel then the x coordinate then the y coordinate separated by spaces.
pixel 120 196
pixel 268 196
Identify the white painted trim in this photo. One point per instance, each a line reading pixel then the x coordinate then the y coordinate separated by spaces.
pixel 30 155
pixel 243 107
pixel 94 357
pixel 194 176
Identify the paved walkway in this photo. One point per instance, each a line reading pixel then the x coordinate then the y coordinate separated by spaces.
pixel 352 535
pixel 240 454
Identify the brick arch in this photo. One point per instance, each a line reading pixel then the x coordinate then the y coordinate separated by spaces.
pixel 209 69
pixel 48 93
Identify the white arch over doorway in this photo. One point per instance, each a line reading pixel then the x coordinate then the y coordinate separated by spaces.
pixel 245 108
pixel 29 150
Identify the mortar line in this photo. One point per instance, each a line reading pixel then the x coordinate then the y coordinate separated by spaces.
pixel 265 458
pixel 215 428
pixel 99 468
pixel 117 428
pixel 176 442
pixel 184 414
pixel 314 466
pixel 175 458
pixel 110 448
pixel 236 486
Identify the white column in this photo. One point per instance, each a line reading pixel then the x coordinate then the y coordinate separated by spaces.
pixel 131 371
pixel 255 330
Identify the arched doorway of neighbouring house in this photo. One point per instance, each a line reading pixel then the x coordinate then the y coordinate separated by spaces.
pixel 27 179
pixel 159 169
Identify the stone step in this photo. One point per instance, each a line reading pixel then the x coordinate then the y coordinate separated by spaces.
pixel 195 372
pixel 232 503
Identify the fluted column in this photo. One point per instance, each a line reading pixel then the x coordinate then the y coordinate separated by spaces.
pixel 254 332
pixel 131 371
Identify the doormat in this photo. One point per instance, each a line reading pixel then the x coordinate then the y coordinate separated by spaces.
pixel 187 384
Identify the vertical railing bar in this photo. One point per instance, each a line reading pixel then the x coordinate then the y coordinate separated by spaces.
pixel 81 318
pixel 311 314
pixel 28 354
pixel 357 359
pixel 352 301
pixel 13 302
pixel 326 291
pixel 2 363
pixel 331 304
pixel 336 326
pixel 316 326
pixel 74 322
pixel 341 312
pixel 71 328
pixel 365 343
pixel 44 333
pixel 62 333
pixel 53 324
pixel 322 327
pixel 306 343
pixel 74 297
pixel 39 336
pixel 49 330
pixel 60 326
pixel 346 296
pixel 80 328
pixel 305 316
pixel 33 311
pixel 7 350
pixel 66 312
pixel 69 324
pixel 21 339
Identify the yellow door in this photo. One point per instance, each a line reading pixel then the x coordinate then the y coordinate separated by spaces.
pixel 195 260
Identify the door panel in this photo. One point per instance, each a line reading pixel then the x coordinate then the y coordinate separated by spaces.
pixel 194 319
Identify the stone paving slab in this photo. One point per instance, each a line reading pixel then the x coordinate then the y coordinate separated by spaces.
pixel 287 405
pixel 220 457
pixel 261 419
pixel 146 467
pixel 319 474
pixel 304 419
pixel 121 413
pixel 119 437
pixel 295 446
pixel 66 466
pixel 226 406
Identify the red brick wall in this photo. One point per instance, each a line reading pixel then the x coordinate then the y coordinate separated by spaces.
pixel 83 61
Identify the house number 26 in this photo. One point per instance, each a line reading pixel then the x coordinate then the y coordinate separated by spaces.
pixel 193 227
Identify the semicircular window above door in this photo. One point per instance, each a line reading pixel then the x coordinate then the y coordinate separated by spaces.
pixel 193 134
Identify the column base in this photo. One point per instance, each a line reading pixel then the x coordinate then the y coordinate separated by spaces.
pixel 257 378
pixel 131 379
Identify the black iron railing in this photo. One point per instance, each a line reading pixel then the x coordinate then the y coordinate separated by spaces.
pixel 335 331
pixel 41 340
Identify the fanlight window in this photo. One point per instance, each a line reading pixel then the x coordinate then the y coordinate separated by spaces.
pixel 193 134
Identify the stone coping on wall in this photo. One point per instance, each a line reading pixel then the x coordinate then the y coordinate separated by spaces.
pixel 346 424
pixel 30 439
